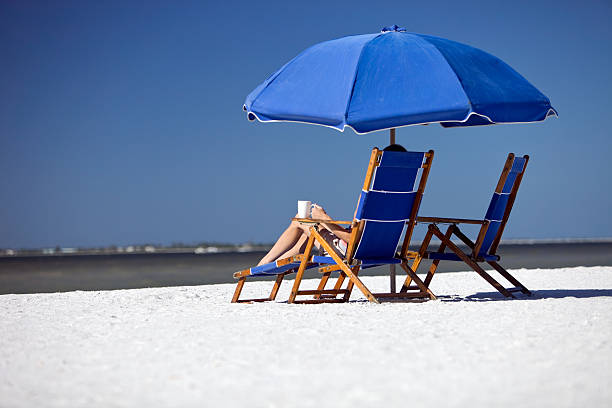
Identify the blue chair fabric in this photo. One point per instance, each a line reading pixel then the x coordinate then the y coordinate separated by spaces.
pixel 387 206
pixel 385 209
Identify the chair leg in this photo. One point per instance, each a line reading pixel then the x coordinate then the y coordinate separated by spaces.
pixel 434 265
pixel 421 285
pixel 340 280
pixel 273 292
pixel 238 290
pixel 349 273
pixel 322 284
pixel 276 287
pixel 417 261
pixel 350 284
pixel 305 260
pixel 354 280
pixel 470 262
pixel 509 277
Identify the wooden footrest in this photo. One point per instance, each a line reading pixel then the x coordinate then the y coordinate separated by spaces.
pixel 252 300
pixel 242 274
pixel 334 300
pixel 330 268
pixel 402 295
pixel 512 290
pixel 323 292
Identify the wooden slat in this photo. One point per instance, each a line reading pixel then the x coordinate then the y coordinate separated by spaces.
pixel 509 205
pixel 356 232
pixel 405 300
pixel 302 268
pixel 339 282
pixel 319 221
pixel 417 259
pixel 242 274
pixel 330 268
pixel 434 265
pixel 402 295
pixel 411 254
pixel 350 284
pixel 392 278
pixel 322 284
pixel 504 173
pixel 276 287
pixel 374 162
pixel 357 226
pixel 324 300
pixel 288 260
pixel 444 220
pixel 463 237
pixel 252 300
pixel 480 239
pixel 322 292
pixel 239 286
pixel 509 277
pixel 417 201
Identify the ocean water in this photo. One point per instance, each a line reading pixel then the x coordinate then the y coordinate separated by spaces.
pixel 106 272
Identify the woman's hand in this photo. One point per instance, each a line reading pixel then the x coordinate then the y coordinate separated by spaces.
pixel 318 213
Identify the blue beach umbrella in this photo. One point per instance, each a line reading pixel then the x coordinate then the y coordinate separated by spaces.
pixel 394 78
pixel 391 79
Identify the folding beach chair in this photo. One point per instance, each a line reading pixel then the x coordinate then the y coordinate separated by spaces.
pixel 489 236
pixel 387 204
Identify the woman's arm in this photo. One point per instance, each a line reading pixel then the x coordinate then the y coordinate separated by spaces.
pixel 319 213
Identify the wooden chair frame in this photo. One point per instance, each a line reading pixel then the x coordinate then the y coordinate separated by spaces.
pixel 243 275
pixel 473 258
pixel 348 267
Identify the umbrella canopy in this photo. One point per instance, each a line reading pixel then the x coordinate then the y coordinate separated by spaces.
pixel 394 78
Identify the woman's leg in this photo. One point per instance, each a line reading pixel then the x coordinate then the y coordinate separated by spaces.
pixel 298 248
pixel 286 242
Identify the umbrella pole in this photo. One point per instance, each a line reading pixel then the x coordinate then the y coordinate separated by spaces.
pixel 392 266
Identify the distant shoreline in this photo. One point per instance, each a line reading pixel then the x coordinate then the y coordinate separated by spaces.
pixel 244 248
pixel 110 271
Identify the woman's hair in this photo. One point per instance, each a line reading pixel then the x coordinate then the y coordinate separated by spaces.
pixel 395 148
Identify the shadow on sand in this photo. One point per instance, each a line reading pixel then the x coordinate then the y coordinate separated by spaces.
pixel 496 296
pixel 536 295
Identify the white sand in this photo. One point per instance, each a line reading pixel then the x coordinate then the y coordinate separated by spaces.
pixel 189 346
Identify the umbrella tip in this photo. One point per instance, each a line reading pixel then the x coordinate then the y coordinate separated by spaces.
pixel 394 28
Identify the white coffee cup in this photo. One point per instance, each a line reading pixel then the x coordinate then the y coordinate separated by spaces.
pixel 304 209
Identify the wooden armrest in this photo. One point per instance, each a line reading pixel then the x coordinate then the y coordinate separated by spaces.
pixel 318 221
pixel 443 220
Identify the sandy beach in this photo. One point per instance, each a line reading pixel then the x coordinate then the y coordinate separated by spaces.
pixel 188 346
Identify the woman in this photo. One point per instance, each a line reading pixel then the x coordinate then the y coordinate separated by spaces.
pixel 293 240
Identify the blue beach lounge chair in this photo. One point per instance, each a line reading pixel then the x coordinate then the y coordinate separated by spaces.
pixel 491 230
pixel 387 207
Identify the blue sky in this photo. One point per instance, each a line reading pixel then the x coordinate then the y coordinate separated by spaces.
pixel 121 123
